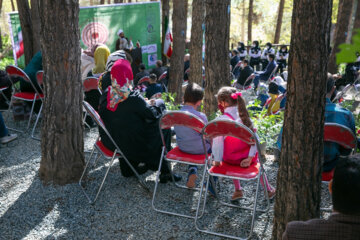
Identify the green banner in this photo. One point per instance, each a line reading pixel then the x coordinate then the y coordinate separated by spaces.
pixel 139 21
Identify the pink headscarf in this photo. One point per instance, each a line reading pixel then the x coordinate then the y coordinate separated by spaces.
pixel 121 77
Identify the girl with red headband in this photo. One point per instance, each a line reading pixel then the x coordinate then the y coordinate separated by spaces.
pixel 232 150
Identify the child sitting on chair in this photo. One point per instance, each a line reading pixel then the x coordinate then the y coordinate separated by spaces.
pixel 188 140
pixel 153 87
pixel 232 150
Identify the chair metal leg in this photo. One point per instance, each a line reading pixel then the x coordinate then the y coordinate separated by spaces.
pixel 31 112
pixel 177 185
pixel 36 122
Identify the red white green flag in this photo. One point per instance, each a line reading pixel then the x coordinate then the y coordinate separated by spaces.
pixel 168 40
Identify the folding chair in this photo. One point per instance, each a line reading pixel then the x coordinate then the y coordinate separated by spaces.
pixel 254 172
pixel 2 89
pixel 90 83
pixel 105 153
pixel 272 74
pixel 39 79
pixel 143 80
pixel 14 71
pixel 168 120
pixel 162 80
pixel 237 66
pixel 247 84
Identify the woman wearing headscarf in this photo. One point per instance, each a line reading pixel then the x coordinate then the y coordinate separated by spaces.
pixel 133 123
pixel 104 79
pixel 101 55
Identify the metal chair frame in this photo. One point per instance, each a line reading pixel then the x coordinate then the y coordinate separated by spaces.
pixel 251 139
pixel 350 144
pixel 116 154
pixel 39 79
pixel 37 96
pixel 164 125
pixel 161 80
pixel 143 79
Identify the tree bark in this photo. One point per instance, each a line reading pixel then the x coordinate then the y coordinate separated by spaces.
pixel 26 29
pixel 118 1
pixel 1 44
pixel 299 174
pixel 12 5
pixel 279 21
pixel 35 19
pixel 217 71
pixel 165 5
pixel 251 3
pixel 62 145
pixel 177 58
pixel 357 19
pixel 343 20
pixel 243 21
pixel 196 42
pixel 102 2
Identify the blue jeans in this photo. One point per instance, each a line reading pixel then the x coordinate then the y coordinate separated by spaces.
pixel 256 81
pixel 3 130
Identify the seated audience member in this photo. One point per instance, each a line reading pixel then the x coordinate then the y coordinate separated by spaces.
pixel 233 61
pixel 264 56
pixel 186 66
pixel 105 80
pixel 101 55
pixel 159 69
pixel 87 64
pixel 333 114
pixel 123 43
pixel 5 136
pixel 242 51
pixel 273 106
pixel 265 75
pixel 5 82
pixel 255 53
pixel 153 87
pixel 281 57
pixel 133 124
pixel 142 73
pixel 344 222
pixel 245 73
pixel 31 69
pixel 188 140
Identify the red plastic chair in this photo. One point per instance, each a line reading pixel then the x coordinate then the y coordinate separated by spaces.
pixel 105 153
pixel 91 83
pixel 14 71
pixel 162 79
pixel 143 80
pixel 255 172
pixel 178 118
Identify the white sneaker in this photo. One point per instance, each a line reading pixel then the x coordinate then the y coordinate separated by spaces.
pixel 9 138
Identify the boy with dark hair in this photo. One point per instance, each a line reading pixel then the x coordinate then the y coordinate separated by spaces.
pixel 153 87
pixel 142 73
pixel 188 140
pixel 344 222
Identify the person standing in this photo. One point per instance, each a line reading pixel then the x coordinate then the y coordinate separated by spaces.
pixel 242 51
pixel 281 56
pixel 264 56
pixel 255 54
pixel 123 43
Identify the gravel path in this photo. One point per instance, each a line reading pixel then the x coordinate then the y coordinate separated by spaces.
pixel 30 210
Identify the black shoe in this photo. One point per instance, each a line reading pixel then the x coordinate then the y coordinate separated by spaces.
pixel 164 178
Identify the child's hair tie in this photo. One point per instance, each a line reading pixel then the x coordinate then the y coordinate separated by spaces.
pixel 235 95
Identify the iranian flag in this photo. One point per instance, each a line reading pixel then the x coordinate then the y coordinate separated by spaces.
pixel 19 44
pixel 168 40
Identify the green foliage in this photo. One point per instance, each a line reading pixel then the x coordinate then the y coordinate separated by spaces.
pixel 6 61
pixel 169 99
pixel 8 58
pixel 349 51
pixel 350 105
pixel 214 115
pixel 267 127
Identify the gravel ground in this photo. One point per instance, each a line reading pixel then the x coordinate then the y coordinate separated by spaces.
pixel 30 210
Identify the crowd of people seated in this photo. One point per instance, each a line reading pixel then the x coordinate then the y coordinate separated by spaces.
pixel 133 121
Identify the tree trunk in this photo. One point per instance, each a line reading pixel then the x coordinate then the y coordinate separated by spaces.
pixel 243 22
pixel 279 21
pixel 1 44
pixel 343 20
pixel 250 20
pixel 357 19
pixel 165 18
pixel 196 42
pixel 102 2
pixel 35 19
pixel 299 174
pixel 26 29
pixel 217 70
pixel 62 145
pixel 177 58
pixel 118 1
pixel 12 5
